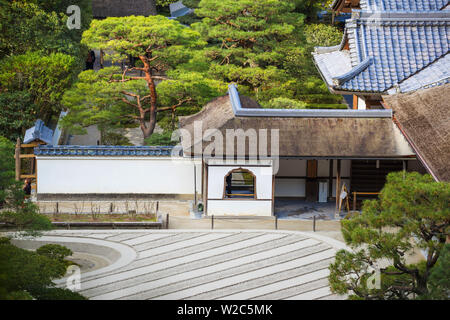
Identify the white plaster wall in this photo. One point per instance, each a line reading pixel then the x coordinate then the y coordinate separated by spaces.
pixel 323 168
pixel 240 207
pixel 117 175
pixel 216 181
pixel 361 104
pixel 345 168
pixel 297 187
pixel 290 188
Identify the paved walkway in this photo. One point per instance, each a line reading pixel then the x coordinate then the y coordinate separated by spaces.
pixel 225 264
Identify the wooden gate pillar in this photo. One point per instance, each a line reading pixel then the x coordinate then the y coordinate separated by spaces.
pixel 18 160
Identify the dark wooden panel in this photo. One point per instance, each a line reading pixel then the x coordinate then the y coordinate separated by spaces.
pixel 312 190
pixel 366 177
pixel 311 171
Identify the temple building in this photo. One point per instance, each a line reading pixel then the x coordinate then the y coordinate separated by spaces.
pixel 388 47
pixel 237 158
pixel 302 155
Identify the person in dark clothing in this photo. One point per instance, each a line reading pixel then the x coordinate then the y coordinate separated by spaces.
pixel 229 190
pixel 90 60
pixel 27 187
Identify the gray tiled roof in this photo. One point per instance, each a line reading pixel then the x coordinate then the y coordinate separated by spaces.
pixel 435 74
pixel 334 63
pixel 387 48
pixel 103 151
pixel 403 5
pixel 38 132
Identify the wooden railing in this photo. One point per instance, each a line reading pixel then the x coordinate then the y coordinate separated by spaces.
pixel 361 193
pixel 240 195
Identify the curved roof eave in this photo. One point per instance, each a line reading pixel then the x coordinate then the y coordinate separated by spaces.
pixel 339 80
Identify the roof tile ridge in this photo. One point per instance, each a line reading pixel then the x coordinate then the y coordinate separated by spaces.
pixel 339 80
pixel 364 4
pixel 396 85
pixel 322 50
pixel 399 15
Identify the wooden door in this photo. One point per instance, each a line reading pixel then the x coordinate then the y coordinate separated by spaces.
pixel 312 185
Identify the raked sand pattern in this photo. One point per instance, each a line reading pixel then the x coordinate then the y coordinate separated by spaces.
pixel 223 265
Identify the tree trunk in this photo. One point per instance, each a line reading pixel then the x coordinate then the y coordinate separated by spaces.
pixel 148 128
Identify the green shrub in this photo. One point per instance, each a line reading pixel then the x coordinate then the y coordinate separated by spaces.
pixel 56 294
pixel 285 103
pixel 5 240
pixel 160 139
pixel 54 251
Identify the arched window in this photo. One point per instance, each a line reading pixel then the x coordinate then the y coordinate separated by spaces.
pixel 240 184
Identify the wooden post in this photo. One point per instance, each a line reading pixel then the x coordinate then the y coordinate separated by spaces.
pixel 404 169
pixel 330 180
pixel 167 221
pixel 338 184
pixel 18 160
pixel 195 187
pixel 355 102
pixel 354 201
pixel 212 222
pixel 314 223
pixel 102 58
pixel 205 203
pixel 273 194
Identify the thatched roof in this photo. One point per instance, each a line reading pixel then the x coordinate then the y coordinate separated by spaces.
pixel 305 136
pixel 424 118
pixel 122 8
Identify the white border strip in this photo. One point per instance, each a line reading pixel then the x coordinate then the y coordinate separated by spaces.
pixel 127 253
pixel 301 113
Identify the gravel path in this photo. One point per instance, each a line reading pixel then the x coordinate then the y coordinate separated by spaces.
pixel 225 264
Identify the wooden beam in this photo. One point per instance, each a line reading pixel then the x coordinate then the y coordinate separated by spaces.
pixel 32 145
pixel 195 186
pixel 23 156
pixel 17 157
pixel 338 183
pixel 26 176
pixel 205 205
pixel 273 195
pixel 330 179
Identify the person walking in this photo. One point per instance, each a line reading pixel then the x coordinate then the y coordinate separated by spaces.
pixel 90 60
pixel 27 187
